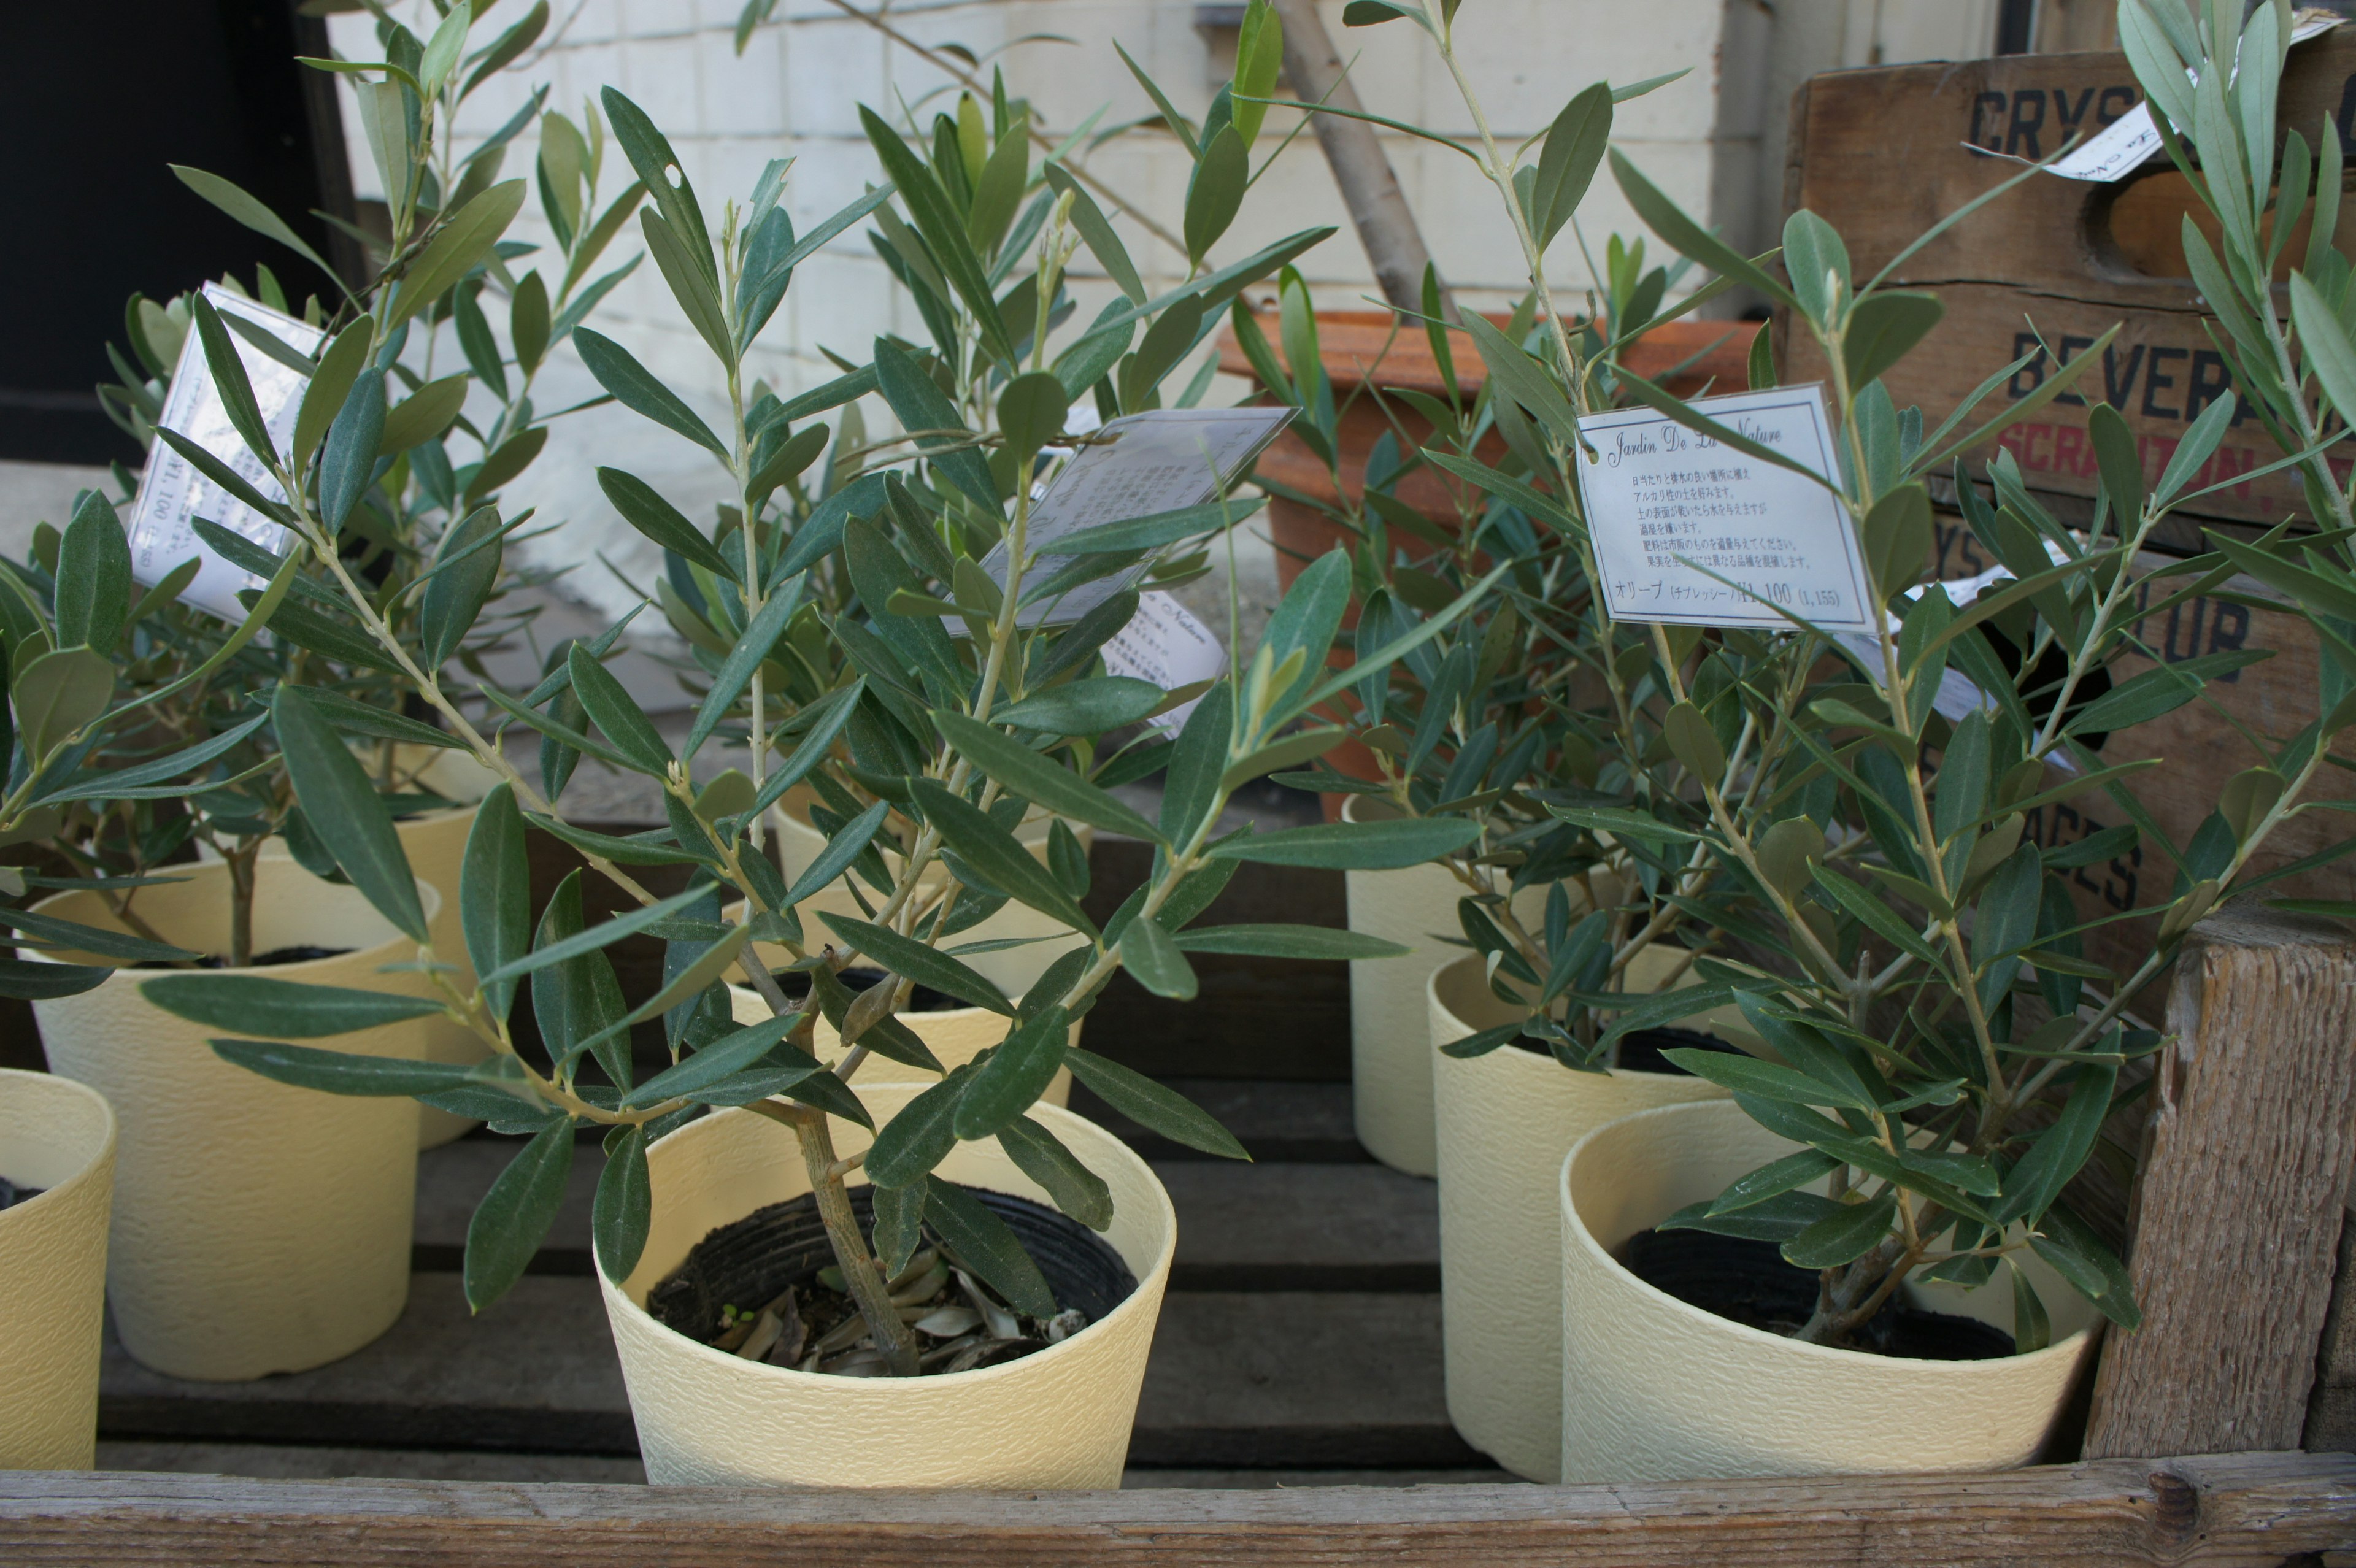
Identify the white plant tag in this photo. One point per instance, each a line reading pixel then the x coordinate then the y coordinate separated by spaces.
pixel 1161 461
pixel 1166 645
pixel 1691 532
pixel 2131 141
pixel 172 492
pixel 1958 694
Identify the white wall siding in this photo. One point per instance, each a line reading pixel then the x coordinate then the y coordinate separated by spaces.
pixel 1711 143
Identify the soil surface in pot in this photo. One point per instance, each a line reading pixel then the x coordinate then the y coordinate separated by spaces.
pixel 1749 1283
pixel 765 1288
pixel 922 999
pixel 11 1194
pixel 1641 1051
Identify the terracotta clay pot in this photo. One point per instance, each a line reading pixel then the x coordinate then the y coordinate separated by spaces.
pixel 1358 349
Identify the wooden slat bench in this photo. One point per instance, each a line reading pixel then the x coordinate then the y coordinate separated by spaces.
pixel 1300 1339
pixel 1300 1344
pixel 2268 1510
pixel 1302 1332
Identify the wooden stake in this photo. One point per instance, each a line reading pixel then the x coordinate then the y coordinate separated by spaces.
pixel 1387 227
pixel 2236 1224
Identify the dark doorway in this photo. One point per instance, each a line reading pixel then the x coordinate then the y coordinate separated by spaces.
pixel 95 100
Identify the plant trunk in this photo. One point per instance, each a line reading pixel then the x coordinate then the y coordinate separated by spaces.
pixel 240 907
pixel 1387 227
pixel 1852 1294
pixel 860 1271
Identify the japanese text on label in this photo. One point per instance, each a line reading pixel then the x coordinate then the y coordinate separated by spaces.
pixel 1690 530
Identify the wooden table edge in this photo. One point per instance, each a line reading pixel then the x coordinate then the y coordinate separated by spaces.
pixel 2216 1508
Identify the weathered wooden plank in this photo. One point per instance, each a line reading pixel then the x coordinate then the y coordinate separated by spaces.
pixel 290 1462
pixel 1256 1018
pixel 1262 1226
pixel 1301 1379
pixel 2247 1153
pixel 1885 153
pixel 304 1462
pixel 535 1372
pixel 1298 1122
pixel 1298 1380
pixel 1326 1228
pixel 2245 1512
pixel 2331 1406
pixel 1137 1479
pixel 20 1039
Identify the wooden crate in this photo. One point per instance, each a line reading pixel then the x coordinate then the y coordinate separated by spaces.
pixel 2198 746
pixel 1884 154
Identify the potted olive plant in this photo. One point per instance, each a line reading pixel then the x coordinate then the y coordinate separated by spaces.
pixel 1945 1029
pixel 250 1239
pixel 960 1283
pixel 1496 710
pixel 1541 728
pixel 1686 753
pixel 92 785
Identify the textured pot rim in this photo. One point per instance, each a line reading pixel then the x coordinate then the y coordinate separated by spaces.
pixel 13 1076
pixel 277 850
pixel 1033 829
pixel 436 817
pixel 936 1013
pixel 1758 1340
pixel 735 913
pixel 429 896
pixel 616 1298
pixel 1432 998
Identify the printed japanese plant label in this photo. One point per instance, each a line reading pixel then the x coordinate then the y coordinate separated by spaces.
pixel 1690 531
pixel 1163 460
pixel 172 494
pixel 1170 647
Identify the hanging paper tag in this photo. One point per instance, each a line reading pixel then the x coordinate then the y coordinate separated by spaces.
pixel 1689 531
pixel 1164 460
pixel 2131 141
pixel 1166 645
pixel 172 492
pixel 1958 694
